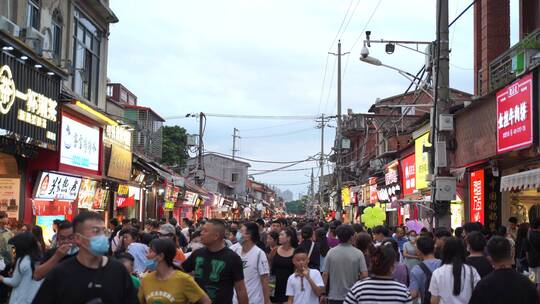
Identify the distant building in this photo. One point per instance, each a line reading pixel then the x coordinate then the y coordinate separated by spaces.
pixel 287 195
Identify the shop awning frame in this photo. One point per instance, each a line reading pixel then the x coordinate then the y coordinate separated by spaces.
pixel 521 180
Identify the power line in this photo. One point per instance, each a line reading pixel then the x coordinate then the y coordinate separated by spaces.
pixel 461 14
pixel 279 134
pixel 331 86
pixel 275 170
pixel 341 26
pixel 295 184
pixel 310 158
pixel 350 18
pixel 272 127
pixel 246 116
pixel 284 170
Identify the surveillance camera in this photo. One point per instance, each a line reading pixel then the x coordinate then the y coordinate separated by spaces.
pixel 364 52
pixel 390 48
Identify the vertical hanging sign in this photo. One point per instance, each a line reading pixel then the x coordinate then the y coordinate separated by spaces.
pixel 476 188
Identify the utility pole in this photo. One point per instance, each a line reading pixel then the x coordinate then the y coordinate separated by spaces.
pixel 442 106
pixel 338 130
pixel 199 175
pixel 322 124
pixel 234 150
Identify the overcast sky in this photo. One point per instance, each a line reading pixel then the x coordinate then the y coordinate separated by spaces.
pixel 268 58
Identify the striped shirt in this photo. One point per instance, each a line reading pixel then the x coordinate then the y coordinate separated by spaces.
pixel 378 290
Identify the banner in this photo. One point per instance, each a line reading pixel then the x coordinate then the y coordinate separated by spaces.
pixel 515 115
pixel 53 186
pixel 476 188
pixel 408 176
pixel 421 160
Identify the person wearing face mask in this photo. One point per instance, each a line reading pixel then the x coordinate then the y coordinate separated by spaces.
pixel 65 249
pixel 90 277
pixel 410 254
pixel 167 282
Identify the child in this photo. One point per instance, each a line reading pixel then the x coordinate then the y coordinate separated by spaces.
pixel 305 285
pixel 128 260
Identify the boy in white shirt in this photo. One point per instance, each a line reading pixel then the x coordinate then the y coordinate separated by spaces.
pixel 305 285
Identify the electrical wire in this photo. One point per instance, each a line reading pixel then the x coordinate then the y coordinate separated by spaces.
pixel 273 126
pixel 341 26
pixel 247 116
pixel 331 85
pixel 284 170
pixel 279 134
pixel 350 18
pixel 461 14
pixel 294 184
pixel 310 158
pixel 275 170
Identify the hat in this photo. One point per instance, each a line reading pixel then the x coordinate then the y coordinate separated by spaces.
pixel 167 229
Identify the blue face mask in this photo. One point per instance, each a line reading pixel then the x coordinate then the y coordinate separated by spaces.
pixel 73 250
pixel 99 245
pixel 239 237
pixel 150 264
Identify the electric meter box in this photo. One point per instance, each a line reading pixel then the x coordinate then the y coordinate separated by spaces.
pixel 445 188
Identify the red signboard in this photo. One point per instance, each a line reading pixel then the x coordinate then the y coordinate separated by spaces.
pixel 515 115
pixel 373 197
pixel 476 188
pixel 408 176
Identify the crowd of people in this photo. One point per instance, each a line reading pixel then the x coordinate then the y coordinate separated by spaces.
pixel 300 261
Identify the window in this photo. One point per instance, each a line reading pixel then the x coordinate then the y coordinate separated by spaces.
pixel 56 41
pixel 408 110
pixel 123 96
pixel 234 177
pixel 87 42
pixel 9 9
pixel 32 14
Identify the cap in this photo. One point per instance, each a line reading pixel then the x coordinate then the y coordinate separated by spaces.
pixel 167 229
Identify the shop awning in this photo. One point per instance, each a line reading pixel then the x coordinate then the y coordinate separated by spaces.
pixel 166 175
pixel 521 180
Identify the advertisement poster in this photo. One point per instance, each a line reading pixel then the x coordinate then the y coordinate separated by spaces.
pixel 123 199
pixel 46 224
pixel 408 169
pixel 457 215
pixel 515 116
pixel 100 199
pixel 476 188
pixel 53 186
pixel 79 146
pixel 191 198
pixel 87 193
pixel 421 161
pixel 9 197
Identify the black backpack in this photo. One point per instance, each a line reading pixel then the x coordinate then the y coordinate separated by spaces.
pixel 426 297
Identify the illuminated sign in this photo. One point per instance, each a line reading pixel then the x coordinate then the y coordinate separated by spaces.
pixel 87 193
pixel 476 188
pixel 53 186
pixel 79 145
pixel 421 161
pixel 408 169
pixel 36 109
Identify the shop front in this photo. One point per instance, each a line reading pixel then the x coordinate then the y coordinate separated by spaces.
pixel 389 192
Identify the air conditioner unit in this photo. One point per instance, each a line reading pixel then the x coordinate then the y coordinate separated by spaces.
pixel 8 26
pixel 34 39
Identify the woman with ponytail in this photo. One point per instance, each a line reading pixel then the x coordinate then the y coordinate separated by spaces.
pixel 380 287
pixel 166 282
pixel 454 281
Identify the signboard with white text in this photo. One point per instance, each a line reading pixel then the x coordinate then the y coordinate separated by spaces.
pixel 54 186
pixel 79 145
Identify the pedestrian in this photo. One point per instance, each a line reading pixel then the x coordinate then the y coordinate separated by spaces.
pixel 182 240
pixel 169 232
pixel 166 283
pixel 215 267
pixel 5 253
pixel 66 248
pixel 513 228
pixel 410 253
pixel 440 233
pixel 320 237
pixel 476 244
pixel 343 266
pixel 400 238
pixel 130 241
pixel 262 233
pixel 37 231
pixel 27 255
pixel 282 265
pixel 90 277
pixel 311 247
pixel 255 264
pixel 380 287
pixel 504 285
pixel 185 225
pixel 454 281
pixel 421 273
pixel 195 242
pixel 272 241
pixel 380 233
pixel 400 271
pixel 532 250
pixel 128 261
pixel 520 254
pixel 55 224
pixel 114 238
pixel 364 242
pixel 305 285
pixel 331 236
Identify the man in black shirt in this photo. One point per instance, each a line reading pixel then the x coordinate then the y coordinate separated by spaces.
pixel 532 249
pixel 312 248
pixel 65 248
pixel 504 285
pixel 476 243
pixel 89 277
pixel 216 268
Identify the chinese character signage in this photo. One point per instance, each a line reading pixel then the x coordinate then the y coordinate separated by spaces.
pixel 120 163
pixel 123 199
pixel 53 186
pixel 190 198
pixel 119 135
pixel 421 161
pixel 345 196
pixel 28 105
pixel 79 145
pixel 86 193
pixel 408 169
pixel 373 194
pixel 515 115
pixel 476 197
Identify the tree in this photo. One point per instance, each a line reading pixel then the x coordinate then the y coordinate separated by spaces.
pixel 175 151
pixel 297 207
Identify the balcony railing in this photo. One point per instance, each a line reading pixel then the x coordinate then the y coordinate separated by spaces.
pixel 512 63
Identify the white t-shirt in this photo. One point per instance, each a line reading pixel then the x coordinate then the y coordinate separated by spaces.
pixel 255 265
pixel 442 284
pixel 185 232
pixel 294 288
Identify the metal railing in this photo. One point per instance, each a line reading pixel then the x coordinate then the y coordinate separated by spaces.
pixel 501 71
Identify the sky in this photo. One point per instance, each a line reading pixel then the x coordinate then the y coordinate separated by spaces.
pixel 254 57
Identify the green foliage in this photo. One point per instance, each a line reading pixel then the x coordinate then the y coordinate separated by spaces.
pixel 296 207
pixel 174 147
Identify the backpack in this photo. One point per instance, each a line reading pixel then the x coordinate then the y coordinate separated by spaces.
pixel 426 296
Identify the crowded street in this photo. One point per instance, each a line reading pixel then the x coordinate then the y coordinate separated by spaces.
pixel 269 152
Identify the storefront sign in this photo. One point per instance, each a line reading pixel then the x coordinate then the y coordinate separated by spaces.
pixel 9 197
pixel 86 193
pixel 345 197
pixel 408 178
pixel 190 198
pixel 476 188
pixel 100 199
pixel 120 163
pixel 391 173
pixel 79 145
pixel 35 116
pixel 373 196
pixel 122 198
pixel 119 135
pixel 45 208
pixel 515 116
pixel 53 186
pixel 421 161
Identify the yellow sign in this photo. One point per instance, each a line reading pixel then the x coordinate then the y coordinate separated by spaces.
pixel 421 161
pixel 39 108
pixel 345 196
